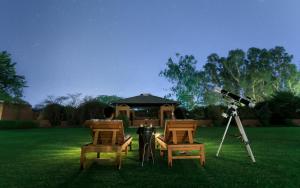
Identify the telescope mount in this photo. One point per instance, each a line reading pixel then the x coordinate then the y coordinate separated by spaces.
pixel 233 113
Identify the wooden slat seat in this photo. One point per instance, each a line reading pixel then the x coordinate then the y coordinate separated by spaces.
pixel 179 136
pixel 107 136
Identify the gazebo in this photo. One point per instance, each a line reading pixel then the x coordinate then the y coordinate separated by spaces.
pixel 145 109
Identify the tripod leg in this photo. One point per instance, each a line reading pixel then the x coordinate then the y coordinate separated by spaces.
pixel 224 136
pixel 244 136
pixel 144 154
pixel 151 151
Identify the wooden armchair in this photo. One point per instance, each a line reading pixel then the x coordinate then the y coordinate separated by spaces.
pixel 108 136
pixel 179 136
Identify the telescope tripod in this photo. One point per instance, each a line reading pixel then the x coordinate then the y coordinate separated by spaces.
pixel 232 109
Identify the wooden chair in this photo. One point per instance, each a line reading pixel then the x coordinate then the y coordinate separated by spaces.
pixel 108 136
pixel 179 136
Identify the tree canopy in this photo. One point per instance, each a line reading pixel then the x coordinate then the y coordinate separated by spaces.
pixel 257 73
pixel 11 84
pixel 108 99
pixel 185 79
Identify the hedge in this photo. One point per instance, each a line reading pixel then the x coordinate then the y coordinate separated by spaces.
pixel 17 124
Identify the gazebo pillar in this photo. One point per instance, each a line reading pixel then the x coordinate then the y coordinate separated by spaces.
pixel 123 108
pixel 166 108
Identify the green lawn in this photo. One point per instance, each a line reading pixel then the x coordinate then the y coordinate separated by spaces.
pixel 50 158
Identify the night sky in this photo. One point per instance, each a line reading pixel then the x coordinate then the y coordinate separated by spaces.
pixel 119 47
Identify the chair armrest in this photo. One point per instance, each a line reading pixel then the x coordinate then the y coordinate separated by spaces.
pixel 127 141
pixel 161 142
pixel 161 137
pixel 127 137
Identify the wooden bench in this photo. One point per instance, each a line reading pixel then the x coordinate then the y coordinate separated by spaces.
pixel 107 136
pixel 179 136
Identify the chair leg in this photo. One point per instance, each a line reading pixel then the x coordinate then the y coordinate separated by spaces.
pixel 82 159
pixel 119 159
pixel 130 146
pixel 170 160
pixel 202 153
pixel 126 150
pixel 98 155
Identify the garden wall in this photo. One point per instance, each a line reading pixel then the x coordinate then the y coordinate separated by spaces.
pixel 245 122
pixel 205 123
pixel 296 122
pixel 10 111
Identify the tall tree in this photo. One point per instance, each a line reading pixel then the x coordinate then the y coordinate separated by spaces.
pixel 181 72
pixel 258 74
pixel 11 84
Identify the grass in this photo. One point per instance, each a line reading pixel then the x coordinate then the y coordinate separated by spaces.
pixel 50 158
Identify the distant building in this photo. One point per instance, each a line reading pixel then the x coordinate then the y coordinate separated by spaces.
pixel 15 111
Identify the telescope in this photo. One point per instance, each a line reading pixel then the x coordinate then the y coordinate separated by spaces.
pixel 246 101
pixel 232 108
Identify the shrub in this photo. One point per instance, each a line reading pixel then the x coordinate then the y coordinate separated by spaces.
pixel 247 113
pixel 198 113
pixel 17 124
pixel 181 113
pixel 55 113
pixel 108 111
pixel 124 118
pixel 263 113
pixel 215 114
pixel 91 109
pixel 212 112
pixel 284 106
pixel 69 115
pixel 279 109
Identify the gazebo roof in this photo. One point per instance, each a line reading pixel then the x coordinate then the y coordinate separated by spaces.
pixel 145 99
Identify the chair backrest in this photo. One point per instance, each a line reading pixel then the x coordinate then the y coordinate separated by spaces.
pixel 107 132
pixel 180 131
